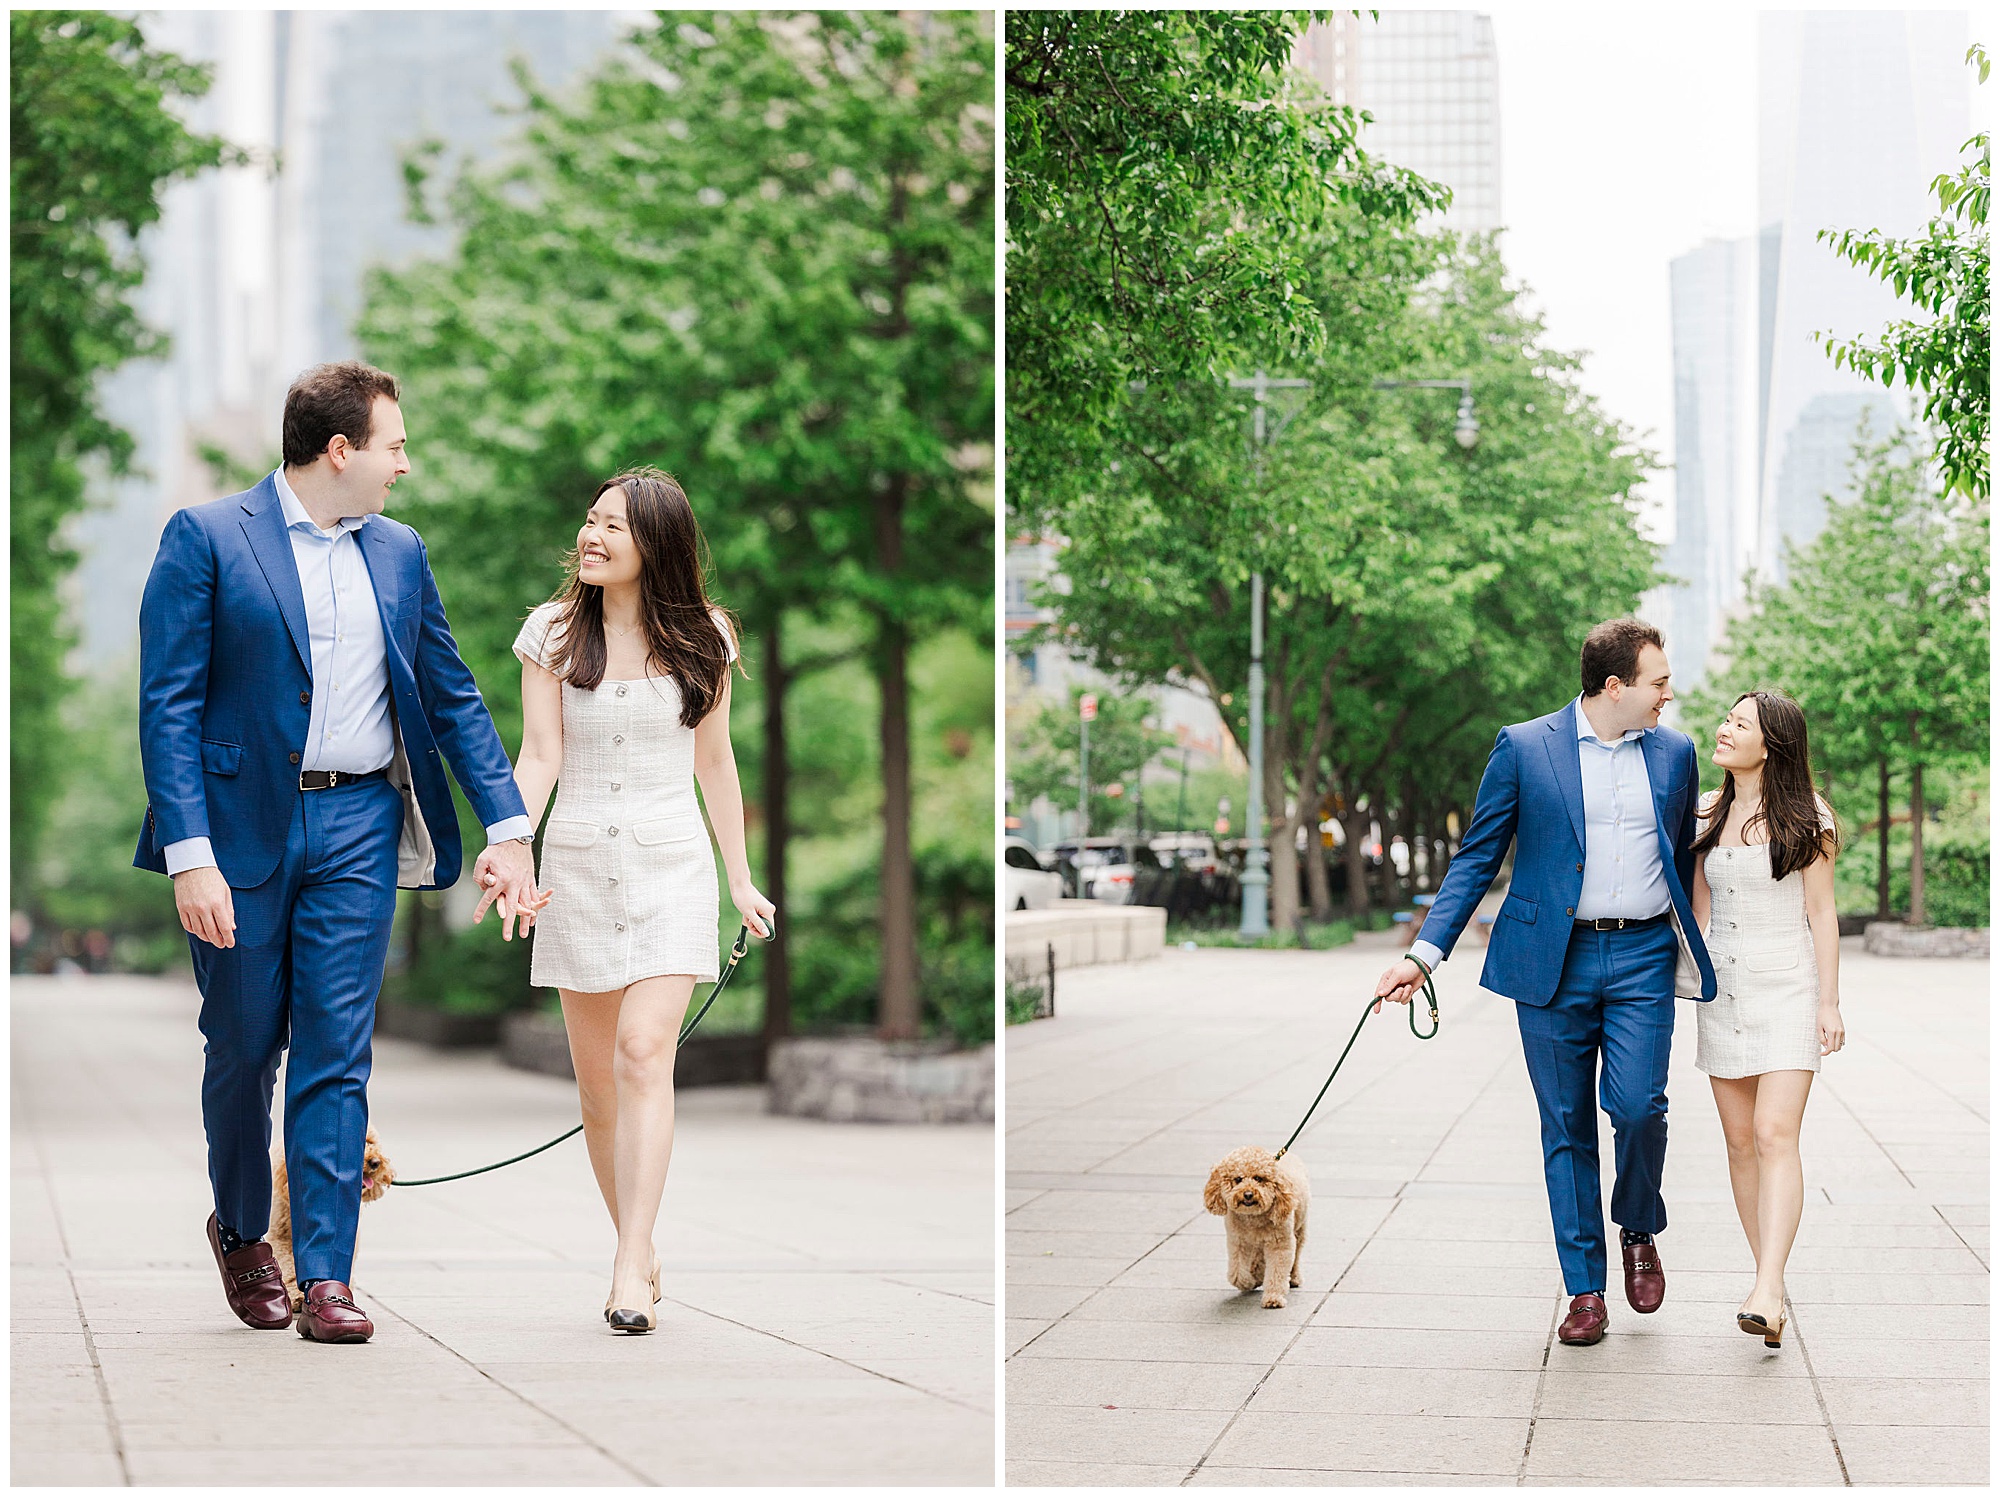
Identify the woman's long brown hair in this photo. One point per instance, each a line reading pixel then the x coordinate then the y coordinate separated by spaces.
pixel 1790 812
pixel 684 630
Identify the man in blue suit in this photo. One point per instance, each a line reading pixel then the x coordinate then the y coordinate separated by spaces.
pixel 1595 938
pixel 298 683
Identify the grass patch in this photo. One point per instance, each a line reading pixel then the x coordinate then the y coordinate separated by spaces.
pixel 1317 937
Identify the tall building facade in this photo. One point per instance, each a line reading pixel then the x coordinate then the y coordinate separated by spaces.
pixel 1858 112
pixel 257 272
pixel 1431 80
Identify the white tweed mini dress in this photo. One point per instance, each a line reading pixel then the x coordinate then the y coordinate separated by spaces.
pixel 625 849
pixel 1765 1016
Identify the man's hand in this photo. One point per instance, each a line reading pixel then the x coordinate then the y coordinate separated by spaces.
pixel 505 873
pixel 202 897
pixel 1399 984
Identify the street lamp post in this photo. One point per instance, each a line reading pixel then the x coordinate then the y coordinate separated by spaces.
pixel 1256 918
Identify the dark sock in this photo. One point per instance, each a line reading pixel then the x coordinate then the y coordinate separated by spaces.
pixel 230 1240
pixel 305 1284
pixel 1629 1238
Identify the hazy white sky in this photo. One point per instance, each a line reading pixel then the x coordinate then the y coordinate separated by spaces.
pixel 1627 138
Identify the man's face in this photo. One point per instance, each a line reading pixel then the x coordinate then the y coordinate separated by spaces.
pixel 369 472
pixel 1641 699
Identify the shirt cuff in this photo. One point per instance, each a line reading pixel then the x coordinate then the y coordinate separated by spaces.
pixel 508 830
pixel 190 852
pixel 1426 953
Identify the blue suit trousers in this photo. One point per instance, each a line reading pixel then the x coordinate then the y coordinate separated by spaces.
pixel 311 944
pixel 1615 1000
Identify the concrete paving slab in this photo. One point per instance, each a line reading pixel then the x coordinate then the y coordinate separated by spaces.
pixel 828 1316
pixel 1426 1351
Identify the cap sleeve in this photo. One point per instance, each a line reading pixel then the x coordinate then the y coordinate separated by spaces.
pixel 1826 821
pixel 728 635
pixel 1705 807
pixel 532 643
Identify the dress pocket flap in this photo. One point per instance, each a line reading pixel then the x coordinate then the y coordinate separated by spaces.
pixel 221 758
pixel 569 833
pixel 1518 908
pixel 665 829
pixel 1768 960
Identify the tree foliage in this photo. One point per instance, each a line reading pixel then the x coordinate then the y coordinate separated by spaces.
pixel 1048 757
pixel 1165 176
pixel 1944 272
pixel 756 250
pixel 95 141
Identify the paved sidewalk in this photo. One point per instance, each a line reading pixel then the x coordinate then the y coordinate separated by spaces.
pixel 1420 1349
pixel 828 1314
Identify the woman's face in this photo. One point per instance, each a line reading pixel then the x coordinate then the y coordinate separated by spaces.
pixel 607 554
pixel 1739 741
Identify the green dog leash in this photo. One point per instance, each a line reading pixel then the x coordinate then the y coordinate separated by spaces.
pixel 1430 997
pixel 736 954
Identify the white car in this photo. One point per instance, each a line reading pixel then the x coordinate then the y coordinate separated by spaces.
pixel 1030 886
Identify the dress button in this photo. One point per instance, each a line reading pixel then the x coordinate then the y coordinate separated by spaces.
pixel 617 737
pixel 614 879
pixel 621 691
pixel 619 926
pixel 611 831
pixel 614 784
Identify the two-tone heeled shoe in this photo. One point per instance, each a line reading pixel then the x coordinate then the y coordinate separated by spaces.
pixel 1757 1325
pixel 633 1319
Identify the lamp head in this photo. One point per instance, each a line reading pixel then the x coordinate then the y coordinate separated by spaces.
pixel 1467 430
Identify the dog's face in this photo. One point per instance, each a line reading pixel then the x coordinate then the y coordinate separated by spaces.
pixel 1246 1183
pixel 376 1171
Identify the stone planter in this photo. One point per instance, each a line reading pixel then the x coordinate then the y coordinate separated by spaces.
pixel 535 1041
pixel 861 1079
pixel 434 1026
pixel 1893 938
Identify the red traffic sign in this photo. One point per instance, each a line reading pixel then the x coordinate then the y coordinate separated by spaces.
pixel 1087 704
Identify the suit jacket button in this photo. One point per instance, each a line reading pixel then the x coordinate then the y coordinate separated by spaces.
pixel 295 758
pixel 1569 912
pixel 1579 867
pixel 305 696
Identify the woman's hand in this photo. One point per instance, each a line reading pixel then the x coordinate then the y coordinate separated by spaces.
pixel 757 911
pixel 1832 1033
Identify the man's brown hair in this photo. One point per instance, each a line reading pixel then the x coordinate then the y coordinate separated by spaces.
pixel 1612 649
pixel 333 400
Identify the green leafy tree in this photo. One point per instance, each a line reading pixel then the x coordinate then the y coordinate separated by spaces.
pixel 1419 595
pixel 1943 271
pixel 1046 759
pixel 760 254
pixel 1167 175
pixel 1881 632
pixel 95 141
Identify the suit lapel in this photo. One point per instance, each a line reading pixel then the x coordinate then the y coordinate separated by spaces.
pixel 379 556
pixel 1659 770
pixel 1561 744
pixel 264 525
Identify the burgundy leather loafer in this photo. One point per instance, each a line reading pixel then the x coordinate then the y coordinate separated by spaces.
pixel 1645 1280
pixel 251 1279
pixel 1585 1323
pixel 330 1314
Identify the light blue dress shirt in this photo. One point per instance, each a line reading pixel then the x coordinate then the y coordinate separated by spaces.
pixel 350 729
pixel 1622 874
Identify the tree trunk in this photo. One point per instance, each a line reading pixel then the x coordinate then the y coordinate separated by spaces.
pixel 1319 888
pixel 899 1015
pixel 1882 911
pixel 1355 824
pixel 1918 916
pixel 776 958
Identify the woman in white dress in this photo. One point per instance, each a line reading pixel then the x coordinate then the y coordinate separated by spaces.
pixel 625 701
pixel 1763 892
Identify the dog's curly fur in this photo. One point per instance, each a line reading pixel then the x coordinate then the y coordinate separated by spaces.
pixel 1263 1199
pixel 377 1174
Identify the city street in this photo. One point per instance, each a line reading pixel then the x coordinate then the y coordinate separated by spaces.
pixel 828 1314
pixel 1421 1348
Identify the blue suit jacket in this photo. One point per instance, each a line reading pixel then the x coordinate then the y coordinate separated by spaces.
pixel 1532 796
pixel 225 676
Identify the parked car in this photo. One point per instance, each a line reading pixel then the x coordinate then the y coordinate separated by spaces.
pixel 1192 851
pixel 1030 886
pixel 1081 867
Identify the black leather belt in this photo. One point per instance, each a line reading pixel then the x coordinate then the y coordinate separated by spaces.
pixel 1619 922
pixel 326 779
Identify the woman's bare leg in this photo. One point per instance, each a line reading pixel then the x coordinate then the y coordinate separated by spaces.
pixel 1781 1188
pixel 649 1022
pixel 591 1020
pixel 1736 1101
